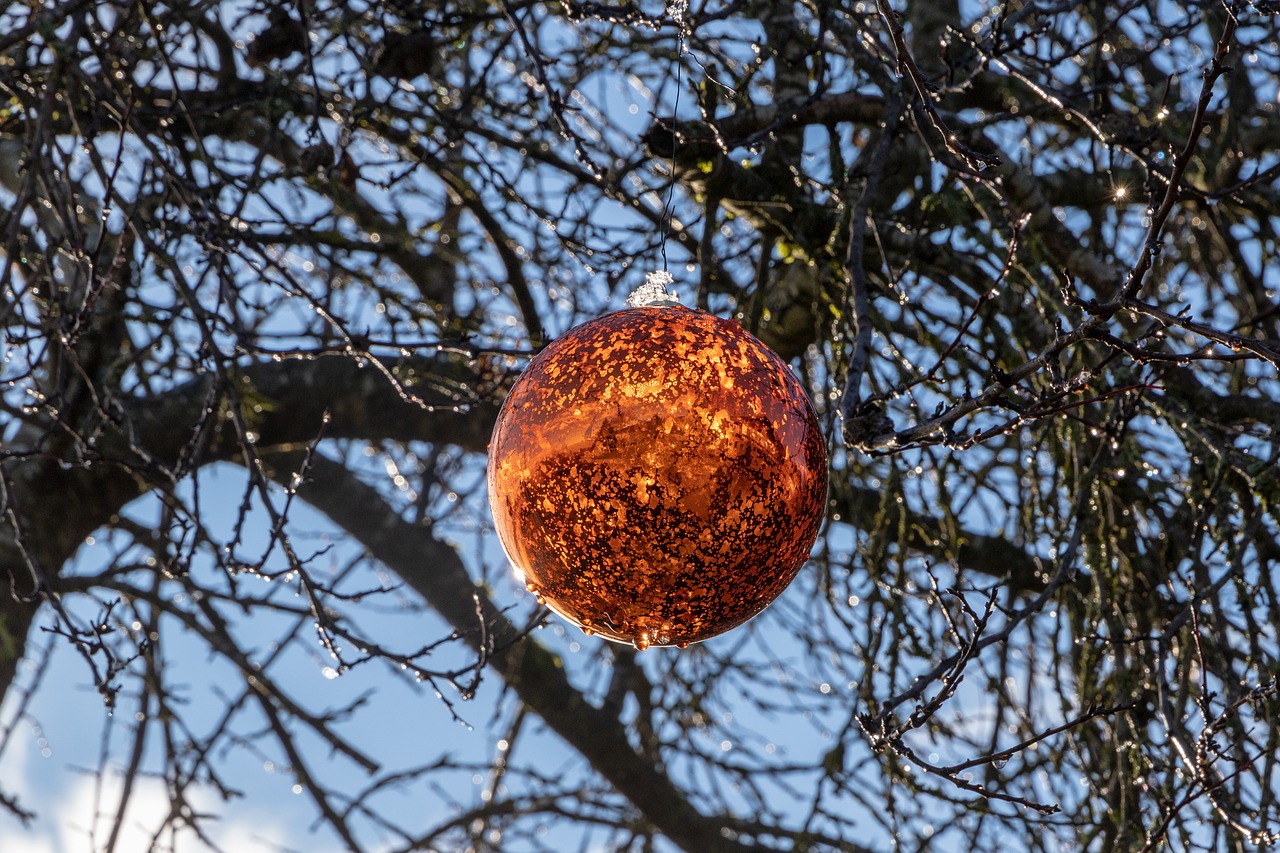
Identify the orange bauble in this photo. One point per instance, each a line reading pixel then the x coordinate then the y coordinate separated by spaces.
pixel 657 476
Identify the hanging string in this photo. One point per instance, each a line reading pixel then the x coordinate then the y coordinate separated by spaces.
pixel 676 10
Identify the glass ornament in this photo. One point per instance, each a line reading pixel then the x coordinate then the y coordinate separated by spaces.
pixel 657 475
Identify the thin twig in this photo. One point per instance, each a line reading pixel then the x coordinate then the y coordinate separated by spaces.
pixel 857 301
pixel 972 161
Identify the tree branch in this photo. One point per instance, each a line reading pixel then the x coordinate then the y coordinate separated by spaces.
pixel 537 676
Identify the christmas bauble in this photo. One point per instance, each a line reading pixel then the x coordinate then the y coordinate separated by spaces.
pixel 657 476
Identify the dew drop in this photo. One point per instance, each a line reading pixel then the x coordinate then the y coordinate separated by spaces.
pixel 642 640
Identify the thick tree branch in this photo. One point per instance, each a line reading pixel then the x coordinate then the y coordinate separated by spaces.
pixel 993 556
pixel 441 399
pixel 159 439
pixel 537 676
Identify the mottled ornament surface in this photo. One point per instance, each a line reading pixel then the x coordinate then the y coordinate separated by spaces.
pixel 657 476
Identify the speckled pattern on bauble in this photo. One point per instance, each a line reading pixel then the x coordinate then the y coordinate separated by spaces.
pixel 657 476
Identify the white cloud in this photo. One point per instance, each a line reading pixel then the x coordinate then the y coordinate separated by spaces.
pixel 80 820
pixel 14 783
